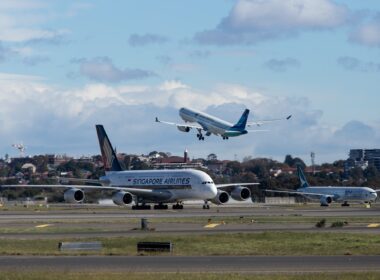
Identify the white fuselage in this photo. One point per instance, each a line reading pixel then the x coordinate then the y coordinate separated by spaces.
pixel 184 184
pixel 209 123
pixel 343 194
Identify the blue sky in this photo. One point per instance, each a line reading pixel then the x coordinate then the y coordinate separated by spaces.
pixel 67 65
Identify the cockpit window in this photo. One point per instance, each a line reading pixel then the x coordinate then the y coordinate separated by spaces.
pixel 206 182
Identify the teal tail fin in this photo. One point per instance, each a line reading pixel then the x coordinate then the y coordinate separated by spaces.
pixel 240 125
pixel 301 176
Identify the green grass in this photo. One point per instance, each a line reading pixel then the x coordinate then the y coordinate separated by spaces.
pixel 41 275
pixel 268 243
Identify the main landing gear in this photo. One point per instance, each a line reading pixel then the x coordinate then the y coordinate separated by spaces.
pixel 206 205
pixel 141 206
pixel 160 206
pixel 200 135
pixel 177 206
pixel 345 204
pixel 225 137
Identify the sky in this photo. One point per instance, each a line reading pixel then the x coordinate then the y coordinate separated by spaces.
pixel 68 65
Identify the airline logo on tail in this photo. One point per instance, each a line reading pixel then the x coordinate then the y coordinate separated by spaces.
pixel 108 154
pixel 301 176
pixel 241 124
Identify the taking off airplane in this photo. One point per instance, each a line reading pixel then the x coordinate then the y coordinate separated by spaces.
pixel 208 124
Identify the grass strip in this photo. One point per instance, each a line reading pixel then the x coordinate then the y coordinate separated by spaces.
pixel 267 243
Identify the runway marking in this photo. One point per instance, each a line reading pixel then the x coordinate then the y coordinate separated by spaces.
pixel 373 225
pixel 43 226
pixel 211 225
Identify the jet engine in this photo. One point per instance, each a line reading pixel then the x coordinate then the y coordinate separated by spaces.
pixel 221 197
pixel 240 193
pixel 122 198
pixel 326 200
pixel 73 195
pixel 183 128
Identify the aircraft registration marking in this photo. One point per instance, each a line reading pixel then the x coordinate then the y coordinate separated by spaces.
pixel 211 225
pixel 373 225
pixel 43 226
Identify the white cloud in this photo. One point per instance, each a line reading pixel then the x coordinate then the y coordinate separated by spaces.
pixel 102 69
pixel 367 34
pixel 172 85
pixel 251 21
pixel 22 21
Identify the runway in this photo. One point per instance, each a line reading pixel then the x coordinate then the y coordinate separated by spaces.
pixel 194 211
pixel 241 264
pixel 79 222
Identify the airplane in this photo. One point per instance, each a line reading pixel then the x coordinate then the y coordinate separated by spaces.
pixel 329 194
pixel 149 186
pixel 203 122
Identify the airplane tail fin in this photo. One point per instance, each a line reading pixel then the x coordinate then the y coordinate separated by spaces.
pixel 108 154
pixel 242 121
pixel 301 176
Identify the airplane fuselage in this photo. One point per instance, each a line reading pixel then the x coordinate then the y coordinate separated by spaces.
pixel 210 123
pixel 184 184
pixel 343 193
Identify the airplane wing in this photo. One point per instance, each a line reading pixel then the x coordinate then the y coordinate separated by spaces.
pixel 258 130
pixel 182 125
pixel 96 182
pixel 297 192
pixel 261 122
pixel 222 186
pixel 147 193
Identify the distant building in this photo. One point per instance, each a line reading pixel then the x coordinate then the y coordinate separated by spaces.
pixel 363 158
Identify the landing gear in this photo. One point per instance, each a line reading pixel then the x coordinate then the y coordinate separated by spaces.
pixel 160 206
pixel 225 137
pixel 345 204
pixel 177 206
pixel 206 205
pixel 200 135
pixel 142 206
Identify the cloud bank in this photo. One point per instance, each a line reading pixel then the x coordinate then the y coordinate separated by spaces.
pixel 53 120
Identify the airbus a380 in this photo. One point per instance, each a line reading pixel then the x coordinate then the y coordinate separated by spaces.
pixel 203 122
pixel 150 186
pixel 328 194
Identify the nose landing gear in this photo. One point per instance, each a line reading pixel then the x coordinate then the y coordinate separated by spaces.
pixel 206 205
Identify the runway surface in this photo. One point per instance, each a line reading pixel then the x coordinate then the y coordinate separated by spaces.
pixel 80 222
pixel 242 264
pixel 194 211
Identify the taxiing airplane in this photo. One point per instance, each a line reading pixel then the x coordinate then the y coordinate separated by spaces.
pixel 149 186
pixel 328 194
pixel 203 122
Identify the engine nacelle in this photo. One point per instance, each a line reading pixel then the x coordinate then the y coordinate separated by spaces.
pixel 73 195
pixel 183 128
pixel 326 200
pixel 221 197
pixel 122 198
pixel 240 193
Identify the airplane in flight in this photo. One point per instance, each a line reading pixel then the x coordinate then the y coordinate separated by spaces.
pixel 144 187
pixel 208 124
pixel 329 194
